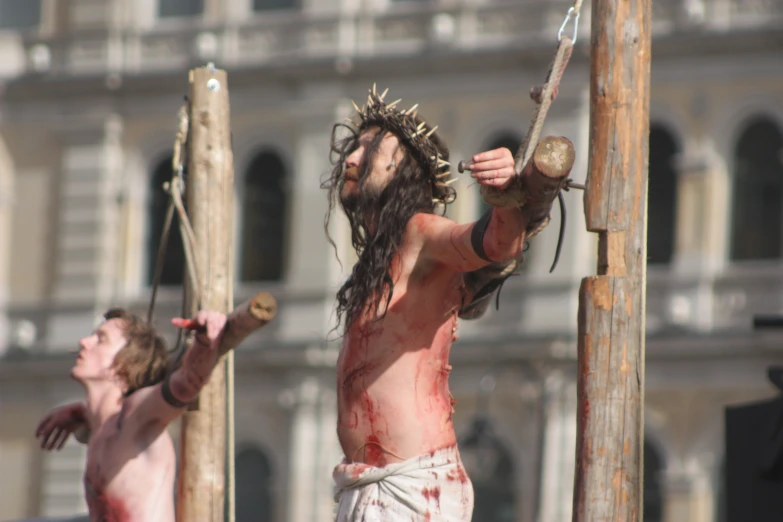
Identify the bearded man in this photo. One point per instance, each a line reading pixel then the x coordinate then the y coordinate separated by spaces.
pixel 417 273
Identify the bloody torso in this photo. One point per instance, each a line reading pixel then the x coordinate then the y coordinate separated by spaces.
pixel 392 375
pixel 126 480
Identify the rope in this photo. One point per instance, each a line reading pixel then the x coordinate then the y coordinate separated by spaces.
pixel 175 188
pixel 543 94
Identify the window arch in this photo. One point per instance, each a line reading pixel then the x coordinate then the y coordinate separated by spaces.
pixel 18 14
pixel 271 5
pixel 653 493
pixel 490 467
pixel 174 260
pixel 253 486
pixel 757 209
pixel 265 206
pixel 180 8
pixel 661 195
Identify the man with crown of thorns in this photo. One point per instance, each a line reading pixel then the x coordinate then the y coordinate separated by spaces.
pixel 417 273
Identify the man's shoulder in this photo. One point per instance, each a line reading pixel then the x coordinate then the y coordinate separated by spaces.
pixel 424 224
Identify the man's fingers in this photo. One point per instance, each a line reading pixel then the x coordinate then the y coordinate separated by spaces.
pixel 45 444
pixel 187 324
pixel 495 154
pixel 46 435
pixel 215 325
pixel 492 165
pixel 56 434
pixel 497 182
pixel 63 439
pixel 207 323
pixel 40 427
pixel 504 173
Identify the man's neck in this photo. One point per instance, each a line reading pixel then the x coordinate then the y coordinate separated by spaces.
pixel 103 401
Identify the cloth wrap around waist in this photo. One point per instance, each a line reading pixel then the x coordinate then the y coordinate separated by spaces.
pixel 433 487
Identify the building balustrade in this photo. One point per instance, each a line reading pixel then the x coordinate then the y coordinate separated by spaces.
pixel 297 37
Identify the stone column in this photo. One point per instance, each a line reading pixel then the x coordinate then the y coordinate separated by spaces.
pixel 701 238
pixel 557 475
pixel 688 495
pixel 313 454
pixel 6 214
pixel 88 227
pixel 701 241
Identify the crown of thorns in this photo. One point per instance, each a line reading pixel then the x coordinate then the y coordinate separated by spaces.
pixel 412 130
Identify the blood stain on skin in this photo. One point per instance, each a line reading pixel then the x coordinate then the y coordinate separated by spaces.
pixel 106 508
pixel 373 452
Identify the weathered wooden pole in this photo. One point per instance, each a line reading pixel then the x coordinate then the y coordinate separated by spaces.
pixel 210 187
pixel 610 387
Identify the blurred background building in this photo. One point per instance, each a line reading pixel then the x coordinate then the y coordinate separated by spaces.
pixel 90 89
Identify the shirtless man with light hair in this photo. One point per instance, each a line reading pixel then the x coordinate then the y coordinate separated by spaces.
pixel 131 462
pixel 416 274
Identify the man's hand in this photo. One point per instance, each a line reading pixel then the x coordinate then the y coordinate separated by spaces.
pixel 58 425
pixel 200 360
pixel 208 326
pixel 494 168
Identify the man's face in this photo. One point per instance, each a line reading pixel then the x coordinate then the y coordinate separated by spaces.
pixel 97 352
pixel 380 171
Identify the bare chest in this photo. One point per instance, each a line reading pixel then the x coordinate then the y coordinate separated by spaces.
pixel 105 477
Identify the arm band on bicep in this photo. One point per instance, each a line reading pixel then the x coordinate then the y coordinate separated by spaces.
pixel 477 235
pixel 168 396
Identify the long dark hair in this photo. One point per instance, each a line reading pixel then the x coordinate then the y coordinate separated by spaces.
pixel 378 221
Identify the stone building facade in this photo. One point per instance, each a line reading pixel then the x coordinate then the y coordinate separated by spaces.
pixel 90 89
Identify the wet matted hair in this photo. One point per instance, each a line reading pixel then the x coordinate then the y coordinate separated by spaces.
pixel 421 184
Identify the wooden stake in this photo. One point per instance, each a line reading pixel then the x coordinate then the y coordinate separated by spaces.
pixel 610 386
pixel 209 188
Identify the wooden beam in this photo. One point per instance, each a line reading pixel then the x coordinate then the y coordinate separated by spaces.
pixel 201 486
pixel 610 383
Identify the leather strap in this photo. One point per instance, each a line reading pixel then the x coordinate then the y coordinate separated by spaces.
pixel 477 235
pixel 168 396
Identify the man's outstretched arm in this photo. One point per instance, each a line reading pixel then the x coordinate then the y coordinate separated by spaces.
pixel 156 406
pixel 497 236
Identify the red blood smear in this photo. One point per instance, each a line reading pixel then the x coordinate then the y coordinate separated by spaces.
pixel 373 452
pixel 432 493
pixel 110 510
pixel 458 474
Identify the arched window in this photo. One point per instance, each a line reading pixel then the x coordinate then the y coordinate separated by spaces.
pixel 757 192
pixel 661 196
pixel 653 497
pixel 490 467
pixel 180 8
pixel 174 261
pixel 264 218
pixel 253 486
pixel 20 14
pixel 270 5
pixel 512 142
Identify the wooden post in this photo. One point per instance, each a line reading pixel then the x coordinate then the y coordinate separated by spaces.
pixel 209 187
pixel 610 384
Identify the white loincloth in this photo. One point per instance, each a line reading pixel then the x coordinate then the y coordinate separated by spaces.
pixel 432 487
